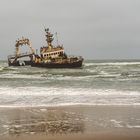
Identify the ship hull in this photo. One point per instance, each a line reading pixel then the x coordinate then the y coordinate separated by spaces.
pixel 76 64
pixel 18 63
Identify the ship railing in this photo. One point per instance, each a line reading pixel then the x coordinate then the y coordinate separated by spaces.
pixel 19 55
pixel 73 56
pixel 78 57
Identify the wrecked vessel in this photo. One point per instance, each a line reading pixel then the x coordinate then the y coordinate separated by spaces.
pixel 50 56
pixel 55 57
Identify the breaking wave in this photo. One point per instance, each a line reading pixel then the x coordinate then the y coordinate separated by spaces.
pixel 49 96
pixel 97 83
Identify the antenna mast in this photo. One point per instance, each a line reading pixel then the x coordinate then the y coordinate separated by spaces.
pixel 56 39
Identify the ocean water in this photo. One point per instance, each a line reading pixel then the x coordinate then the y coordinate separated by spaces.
pixel 96 83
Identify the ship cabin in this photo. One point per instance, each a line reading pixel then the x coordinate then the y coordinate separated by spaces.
pixel 53 52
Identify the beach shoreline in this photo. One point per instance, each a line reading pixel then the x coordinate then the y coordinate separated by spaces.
pixel 70 122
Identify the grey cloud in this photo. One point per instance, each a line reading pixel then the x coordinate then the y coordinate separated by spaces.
pixel 95 29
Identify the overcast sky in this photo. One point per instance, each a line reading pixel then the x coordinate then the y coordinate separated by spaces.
pixel 95 29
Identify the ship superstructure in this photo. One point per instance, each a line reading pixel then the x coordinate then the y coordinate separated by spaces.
pixel 51 51
pixel 16 59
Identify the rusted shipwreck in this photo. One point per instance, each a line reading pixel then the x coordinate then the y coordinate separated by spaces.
pixel 50 56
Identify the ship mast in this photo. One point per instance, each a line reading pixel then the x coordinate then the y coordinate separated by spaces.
pixel 49 38
pixel 56 39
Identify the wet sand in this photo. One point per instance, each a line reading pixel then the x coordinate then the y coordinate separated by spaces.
pixel 70 122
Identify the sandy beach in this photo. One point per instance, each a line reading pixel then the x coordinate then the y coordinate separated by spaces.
pixel 70 122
